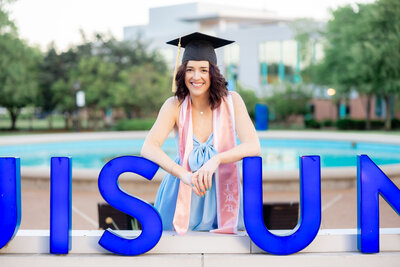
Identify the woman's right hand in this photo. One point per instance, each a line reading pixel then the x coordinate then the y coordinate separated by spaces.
pixel 187 179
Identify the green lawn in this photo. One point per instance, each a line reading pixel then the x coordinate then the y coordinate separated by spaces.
pixel 36 126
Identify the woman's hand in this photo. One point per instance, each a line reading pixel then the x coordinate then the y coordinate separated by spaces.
pixel 202 178
pixel 187 178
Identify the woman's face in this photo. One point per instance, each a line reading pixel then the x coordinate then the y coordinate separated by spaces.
pixel 197 77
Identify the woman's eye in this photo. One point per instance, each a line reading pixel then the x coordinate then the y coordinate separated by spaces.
pixel 204 71
pixel 188 70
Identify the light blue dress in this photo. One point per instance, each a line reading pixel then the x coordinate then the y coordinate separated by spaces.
pixel 203 210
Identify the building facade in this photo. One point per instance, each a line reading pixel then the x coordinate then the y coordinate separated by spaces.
pixel 264 52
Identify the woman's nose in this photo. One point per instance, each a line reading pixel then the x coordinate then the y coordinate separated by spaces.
pixel 196 75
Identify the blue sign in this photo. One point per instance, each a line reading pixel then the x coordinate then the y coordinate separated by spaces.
pixel 10 199
pixel 310 207
pixel 60 205
pixel 371 183
pixel 145 213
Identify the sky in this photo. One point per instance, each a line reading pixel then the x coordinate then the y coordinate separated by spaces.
pixel 41 22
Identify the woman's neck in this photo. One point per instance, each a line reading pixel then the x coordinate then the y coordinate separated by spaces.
pixel 200 103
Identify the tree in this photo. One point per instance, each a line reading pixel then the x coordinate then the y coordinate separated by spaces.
pixel 18 68
pixel 97 79
pixel 250 99
pixel 288 100
pixel 383 43
pixel 142 90
pixel 361 50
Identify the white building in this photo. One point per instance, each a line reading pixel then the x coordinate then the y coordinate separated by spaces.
pixel 264 53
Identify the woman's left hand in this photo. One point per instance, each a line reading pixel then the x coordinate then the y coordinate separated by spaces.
pixel 203 176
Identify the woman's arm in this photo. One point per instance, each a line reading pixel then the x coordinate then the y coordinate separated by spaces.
pixel 164 124
pixel 250 146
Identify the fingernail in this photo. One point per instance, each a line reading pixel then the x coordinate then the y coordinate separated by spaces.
pixel 201 190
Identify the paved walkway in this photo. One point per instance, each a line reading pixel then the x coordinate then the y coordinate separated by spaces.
pixel 339 208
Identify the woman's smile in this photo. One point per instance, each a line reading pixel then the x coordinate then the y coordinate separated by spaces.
pixel 197 85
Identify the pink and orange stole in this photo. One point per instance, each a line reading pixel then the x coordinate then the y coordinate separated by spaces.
pixel 226 176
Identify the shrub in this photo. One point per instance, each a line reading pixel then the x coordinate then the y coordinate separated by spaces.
pixel 327 123
pixel 350 124
pixel 311 123
pixel 395 123
pixel 134 124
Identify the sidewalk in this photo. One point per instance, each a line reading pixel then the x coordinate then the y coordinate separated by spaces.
pixel 339 208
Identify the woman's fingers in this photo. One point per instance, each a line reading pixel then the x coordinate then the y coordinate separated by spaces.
pixel 195 182
pixel 202 180
pixel 196 191
pixel 209 181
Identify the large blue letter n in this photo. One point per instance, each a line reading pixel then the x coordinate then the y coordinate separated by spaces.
pixel 372 182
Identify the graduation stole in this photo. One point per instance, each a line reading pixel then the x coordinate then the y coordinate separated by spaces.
pixel 226 176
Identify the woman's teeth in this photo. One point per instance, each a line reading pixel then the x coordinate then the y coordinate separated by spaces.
pixel 197 84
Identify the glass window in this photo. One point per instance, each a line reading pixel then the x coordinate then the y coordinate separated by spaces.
pixel 231 61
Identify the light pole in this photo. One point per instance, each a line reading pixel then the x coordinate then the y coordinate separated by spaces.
pixel 80 102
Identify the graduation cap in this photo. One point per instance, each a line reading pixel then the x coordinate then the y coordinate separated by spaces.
pixel 198 46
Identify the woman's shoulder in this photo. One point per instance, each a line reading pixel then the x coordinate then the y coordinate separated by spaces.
pixel 172 103
pixel 171 106
pixel 236 98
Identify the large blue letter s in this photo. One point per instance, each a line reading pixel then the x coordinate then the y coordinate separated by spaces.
pixel 310 207
pixel 146 214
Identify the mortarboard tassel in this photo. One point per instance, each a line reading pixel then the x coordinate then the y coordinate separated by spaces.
pixel 176 66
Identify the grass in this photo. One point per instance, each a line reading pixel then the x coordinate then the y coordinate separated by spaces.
pixel 25 125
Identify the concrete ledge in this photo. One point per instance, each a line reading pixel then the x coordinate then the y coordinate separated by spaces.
pixel 86 242
pixel 386 259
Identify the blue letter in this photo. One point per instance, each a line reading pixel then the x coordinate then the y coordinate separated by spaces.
pixel 60 205
pixel 10 199
pixel 310 207
pixel 372 182
pixel 145 213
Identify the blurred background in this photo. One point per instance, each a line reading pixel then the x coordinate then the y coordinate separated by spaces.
pixel 74 74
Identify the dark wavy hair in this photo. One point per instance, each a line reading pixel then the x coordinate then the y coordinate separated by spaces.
pixel 218 84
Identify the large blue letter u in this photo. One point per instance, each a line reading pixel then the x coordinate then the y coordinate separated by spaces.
pixel 310 207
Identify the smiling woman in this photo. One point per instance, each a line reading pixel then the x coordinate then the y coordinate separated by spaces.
pixel 205 118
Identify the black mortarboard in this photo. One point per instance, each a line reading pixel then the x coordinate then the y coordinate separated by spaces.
pixel 198 46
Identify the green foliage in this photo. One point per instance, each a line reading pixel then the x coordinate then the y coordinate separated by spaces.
pixel 311 123
pixel 134 125
pixel 288 100
pixel 395 123
pixel 305 31
pixel 250 99
pixel 6 25
pixel 18 74
pixel 142 91
pixel 327 123
pixel 18 67
pixel 350 124
pixel 362 52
